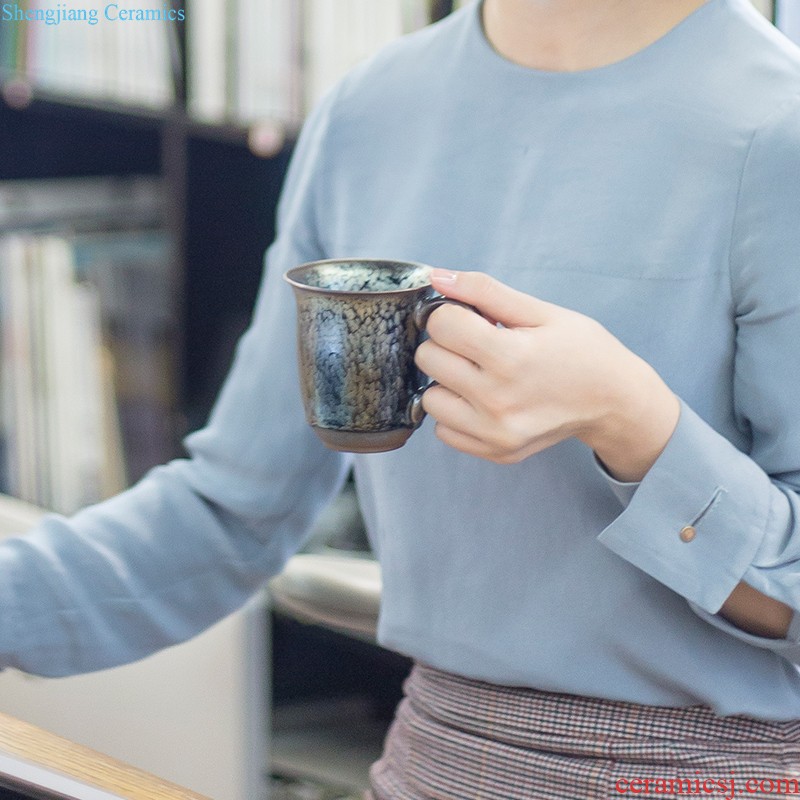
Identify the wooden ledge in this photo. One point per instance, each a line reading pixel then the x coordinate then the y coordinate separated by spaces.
pixel 86 768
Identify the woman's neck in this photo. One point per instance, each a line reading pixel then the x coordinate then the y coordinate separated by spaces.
pixel 574 35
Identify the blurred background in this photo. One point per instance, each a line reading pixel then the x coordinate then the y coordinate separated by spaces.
pixel 140 168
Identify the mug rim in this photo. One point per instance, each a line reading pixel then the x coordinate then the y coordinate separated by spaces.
pixel 288 276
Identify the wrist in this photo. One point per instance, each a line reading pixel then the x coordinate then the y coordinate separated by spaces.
pixel 635 427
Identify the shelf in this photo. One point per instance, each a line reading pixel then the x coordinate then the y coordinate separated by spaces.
pixel 265 138
pixel 20 95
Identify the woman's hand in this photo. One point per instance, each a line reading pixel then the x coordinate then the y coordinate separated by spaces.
pixel 547 374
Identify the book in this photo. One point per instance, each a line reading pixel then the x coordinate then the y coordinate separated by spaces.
pixel 270 61
pixel 130 270
pixel 89 52
pixel 87 339
pixel 339 34
pixel 206 42
pixel 52 377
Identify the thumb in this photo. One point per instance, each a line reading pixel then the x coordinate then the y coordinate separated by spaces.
pixel 493 299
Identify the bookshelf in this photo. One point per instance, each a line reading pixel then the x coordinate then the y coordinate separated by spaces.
pixel 106 99
pixel 219 163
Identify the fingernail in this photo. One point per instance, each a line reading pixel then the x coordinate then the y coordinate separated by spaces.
pixel 443 275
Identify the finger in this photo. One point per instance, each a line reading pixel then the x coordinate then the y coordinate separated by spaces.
pixel 449 369
pixel 465 443
pixel 461 331
pixel 449 409
pixel 508 306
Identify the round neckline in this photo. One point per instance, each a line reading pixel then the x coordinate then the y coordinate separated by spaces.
pixel 647 54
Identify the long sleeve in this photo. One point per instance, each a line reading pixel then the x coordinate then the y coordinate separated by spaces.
pixel 743 507
pixel 195 538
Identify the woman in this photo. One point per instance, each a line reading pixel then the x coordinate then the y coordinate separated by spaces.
pixel 590 550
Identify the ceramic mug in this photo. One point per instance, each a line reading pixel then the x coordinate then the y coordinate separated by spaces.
pixel 359 322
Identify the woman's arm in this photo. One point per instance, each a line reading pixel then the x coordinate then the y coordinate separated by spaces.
pixel 545 374
pixel 754 612
pixel 194 539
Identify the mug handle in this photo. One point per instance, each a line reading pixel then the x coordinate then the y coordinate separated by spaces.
pixel 422 312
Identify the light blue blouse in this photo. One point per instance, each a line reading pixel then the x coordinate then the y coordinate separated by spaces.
pixel 660 195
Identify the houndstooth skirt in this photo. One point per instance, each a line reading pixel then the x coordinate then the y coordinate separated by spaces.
pixel 455 738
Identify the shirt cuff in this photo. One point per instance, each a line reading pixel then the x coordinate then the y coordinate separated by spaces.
pixel 696 520
pixel 624 490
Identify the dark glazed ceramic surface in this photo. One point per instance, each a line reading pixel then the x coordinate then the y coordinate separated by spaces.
pixel 356 343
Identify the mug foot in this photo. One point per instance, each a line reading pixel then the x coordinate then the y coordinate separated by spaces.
pixel 361 441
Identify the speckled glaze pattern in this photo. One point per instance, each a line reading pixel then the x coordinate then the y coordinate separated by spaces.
pixel 357 334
